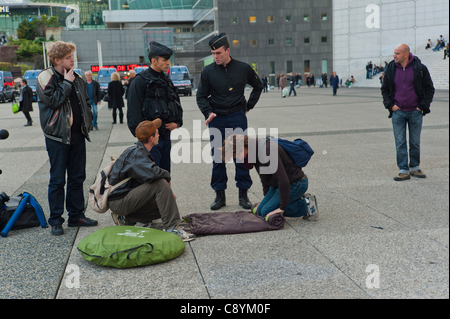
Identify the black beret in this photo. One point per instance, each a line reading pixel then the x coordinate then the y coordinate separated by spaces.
pixel 218 41
pixel 159 50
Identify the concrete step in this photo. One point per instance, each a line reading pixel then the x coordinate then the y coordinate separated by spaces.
pixel 438 67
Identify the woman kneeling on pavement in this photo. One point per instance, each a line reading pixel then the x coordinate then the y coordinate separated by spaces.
pixel 284 183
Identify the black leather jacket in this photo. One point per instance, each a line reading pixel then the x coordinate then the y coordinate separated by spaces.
pixel 423 85
pixel 135 163
pixel 55 112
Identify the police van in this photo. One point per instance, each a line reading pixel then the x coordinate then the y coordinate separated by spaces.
pixel 31 77
pixel 7 86
pixel 181 79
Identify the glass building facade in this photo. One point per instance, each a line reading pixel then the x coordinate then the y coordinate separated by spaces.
pixel 88 17
pixel 154 4
pixel 90 11
pixel 205 24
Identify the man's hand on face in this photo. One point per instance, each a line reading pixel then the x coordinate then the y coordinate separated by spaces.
pixel 68 75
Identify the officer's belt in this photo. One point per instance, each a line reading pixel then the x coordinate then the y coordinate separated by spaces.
pixel 227 110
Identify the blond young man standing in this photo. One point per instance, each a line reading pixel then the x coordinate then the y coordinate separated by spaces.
pixel 66 118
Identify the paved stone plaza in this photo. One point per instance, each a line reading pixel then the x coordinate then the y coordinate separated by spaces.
pixel 339 256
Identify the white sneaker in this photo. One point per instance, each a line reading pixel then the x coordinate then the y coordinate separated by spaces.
pixel 180 232
pixel 313 210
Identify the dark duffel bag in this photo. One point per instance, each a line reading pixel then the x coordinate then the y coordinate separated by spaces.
pixel 28 218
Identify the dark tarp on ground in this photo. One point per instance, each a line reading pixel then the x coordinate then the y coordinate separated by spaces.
pixel 232 223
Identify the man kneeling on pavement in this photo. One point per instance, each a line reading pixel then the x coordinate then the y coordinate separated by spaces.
pixel 147 196
pixel 284 183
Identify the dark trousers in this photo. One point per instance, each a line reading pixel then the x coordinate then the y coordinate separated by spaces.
pixel 292 90
pixel 148 202
pixel 219 176
pixel 114 114
pixel 70 159
pixel 334 90
pixel 161 152
pixel 28 117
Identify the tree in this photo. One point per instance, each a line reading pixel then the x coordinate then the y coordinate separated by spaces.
pixel 30 30
pixel 31 34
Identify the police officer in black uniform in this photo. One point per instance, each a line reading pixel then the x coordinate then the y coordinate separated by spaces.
pixel 152 95
pixel 220 97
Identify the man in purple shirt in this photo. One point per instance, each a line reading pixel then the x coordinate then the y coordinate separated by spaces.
pixel 407 93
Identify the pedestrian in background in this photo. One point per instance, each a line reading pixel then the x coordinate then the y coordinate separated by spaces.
pixel 407 93
pixel 25 101
pixel 283 84
pixel 325 79
pixel 264 82
pixel 292 83
pixel 94 95
pixel 334 83
pixel 130 80
pixel 115 102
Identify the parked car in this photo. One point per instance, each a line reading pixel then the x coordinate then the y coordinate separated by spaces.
pixel 7 87
pixel 31 77
pixel 103 78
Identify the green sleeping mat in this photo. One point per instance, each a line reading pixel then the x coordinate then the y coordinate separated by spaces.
pixel 129 246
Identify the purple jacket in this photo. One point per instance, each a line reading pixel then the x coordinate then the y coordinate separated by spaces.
pixel 405 95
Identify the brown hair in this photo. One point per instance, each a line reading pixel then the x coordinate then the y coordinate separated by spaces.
pixel 59 50
pixel 231 142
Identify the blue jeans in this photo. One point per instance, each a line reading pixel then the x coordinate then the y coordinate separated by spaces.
pixel 297 206
pixel 95 111
pixel 400 120
pixel 219 176
pixel 334 90
pixel 292 90
pixel 71 159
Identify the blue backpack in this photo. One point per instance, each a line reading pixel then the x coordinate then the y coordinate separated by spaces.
pixel 298 150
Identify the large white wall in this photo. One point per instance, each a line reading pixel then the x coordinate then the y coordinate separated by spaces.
pixel 400 21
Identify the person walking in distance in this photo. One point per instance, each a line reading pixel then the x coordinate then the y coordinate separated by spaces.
pixel 25 101
pixel 334 83
pixel 94 95
pixel 220 97
pixel 407 93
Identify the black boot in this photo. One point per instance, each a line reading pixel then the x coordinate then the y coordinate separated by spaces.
pixel 243 199
pixel 219 201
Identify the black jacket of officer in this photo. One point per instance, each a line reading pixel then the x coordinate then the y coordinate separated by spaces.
pixel 221 89
pixel 152 95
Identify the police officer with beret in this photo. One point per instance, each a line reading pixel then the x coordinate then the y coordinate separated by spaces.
pixel 152 95
pixel 220 97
